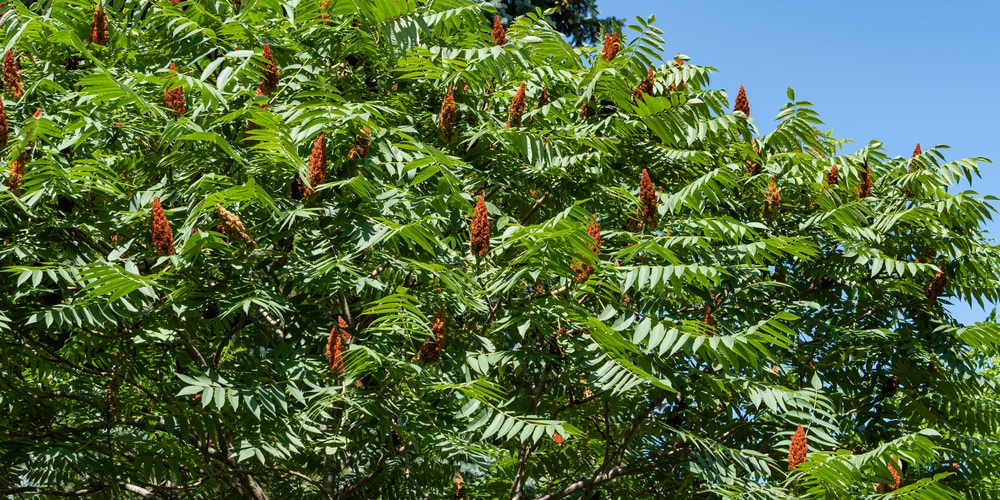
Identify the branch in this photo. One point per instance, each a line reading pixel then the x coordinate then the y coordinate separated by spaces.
pixel 55 493
pixel 144 493
pixel 653 403
pixel 615 472
pixel 534 208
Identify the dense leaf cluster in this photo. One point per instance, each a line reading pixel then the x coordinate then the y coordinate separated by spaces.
pixel 356 249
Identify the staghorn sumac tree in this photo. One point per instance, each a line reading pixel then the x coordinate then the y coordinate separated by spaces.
pixel 337 249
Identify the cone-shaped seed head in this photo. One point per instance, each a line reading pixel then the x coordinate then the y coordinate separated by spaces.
pixel 335 345
pixel 480 230
pixel 12 77
pixel 163 236
pixel 917 151
pixel 645 86
pixel 499 34
pixel 864 189
pixel 298 188
pixel 317 163
pixel 611 48
pixel 742 104
pixel 595 232
pixel 516 108
pixel 831 176
pixel 16 173
pixel 798 449
pixel 4 128
pixel 935 287
pixel 363 142
pixel 544 98
pixel 233 226
pixel 175 98
pixel 269 77
pixel 772 201
pixel 587 111
pixel 648 201
pixel 430 351
pixel 449 112
pixel 99 27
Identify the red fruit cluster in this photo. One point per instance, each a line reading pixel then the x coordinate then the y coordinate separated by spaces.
pixel 543 99
pixel 499 34
pixel 772 202
pixel 175 98
pixel 798 449
pixel 645 86
pixel 864 189
pixel 647 201
pixel 430 351
pixel 583 271
pixel 935 287
pixel 898 481
pixel 742 103
pixel 831 176
pixel 269 77
pixel 232 226
pixel 317 164
pixel 163 236
pixel 480 230
pixel 710 323
pixel 99 27
pixel 16 173
pixel 335 345
pixel 516 110
pixel 752 167
pixel 12 76
pixel 611 48
pixel 4 127
pixel 587 111
pixel 449 113
pixel 362 144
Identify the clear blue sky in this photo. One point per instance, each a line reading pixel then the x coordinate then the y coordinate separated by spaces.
pixel 896 72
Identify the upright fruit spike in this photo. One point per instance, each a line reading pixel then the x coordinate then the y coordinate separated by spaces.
pixel 480 229
pixel 99 27
pixel 864 189
pixel 16 173
pixel 798 449
pixel 710 323
pixel 163 236
pixel 317 164
pixel 583 271
pixel 934 288
pixel 269 77
pixel 449 113
pixel 335 345
pixel 742 103
pixel 648 201
pixel 645 86
pixel 611 48
pixel 831 176
pixel 917 151
pixel 516 108
pixel 175 98
pixel 12 76
pixel 499 34
pixel 772 202
pixel 4 127
pixel 233 226
pixel 430 351
pixel 587 111
pixel 543 99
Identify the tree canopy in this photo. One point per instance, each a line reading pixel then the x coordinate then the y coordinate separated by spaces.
pixel 577 19
pixel 381 248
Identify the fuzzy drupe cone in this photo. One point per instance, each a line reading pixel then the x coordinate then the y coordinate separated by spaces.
pixel 174 98
pixel 480 229
pixel 516 108
pixel 12 76
pixel 798 449
pixel 648 201
pixel 611 48
pixel 335 345
pixel 499 34
pixel 163 236
pixel 742 103
pixel 269 77
pixel 99 27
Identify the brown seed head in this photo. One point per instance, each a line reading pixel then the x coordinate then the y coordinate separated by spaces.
pixel 917 151
pixel 587 111
pixel 772 202
pixel 935 287
pixel 363 142
pixel 430 351
pixel 516 108
pixel 269 77
pixel 175 98
pixel 677 59
pixel 742 103
pixel 16 173
pixel 335 345
pixel 4 128
pixel 595 232
pixel 232 225
pixel 752 167
pixel 898 481
pixel 710 323
pixel 12 76
pixel 611 48
pixel 543 99
pixel 831 176
pixel 480 230
pixel 864 189
pixel 322 12
pixel 645 86
pixel 317 164
pixel 647 201
pixel 163 236
pixel 298 188
pixel 499 34
pixel 798 449
pixel 99 27
pixel 449 112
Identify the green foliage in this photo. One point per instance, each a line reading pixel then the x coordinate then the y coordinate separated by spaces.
pixel 673 361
